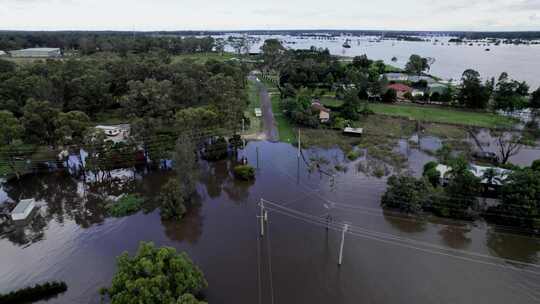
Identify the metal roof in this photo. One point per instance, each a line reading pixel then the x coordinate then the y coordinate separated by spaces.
pixel 38 49
pixel 23 205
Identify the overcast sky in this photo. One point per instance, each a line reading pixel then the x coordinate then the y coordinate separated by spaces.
pixel 270 14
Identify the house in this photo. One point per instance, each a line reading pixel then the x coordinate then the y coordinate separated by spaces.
pixel 478 171
pixel 416 78
pixel 23 209
pixel 401 89
pixel 353 131
pixel 324 113
pixel 2 53
pixel 37 53
pixel 438 88
pixel 258 112
pixel 396 76
pixel 116 133
pixel 417 93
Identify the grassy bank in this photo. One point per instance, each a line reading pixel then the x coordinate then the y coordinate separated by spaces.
pixel 203 57
pixel 442 115
pixel 285 129
pixel 254 102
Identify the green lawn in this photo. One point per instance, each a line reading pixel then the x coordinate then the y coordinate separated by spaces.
pixel 441 115
pixel 285 129
pixel 254 102
pixel 203 57
pixel 331 102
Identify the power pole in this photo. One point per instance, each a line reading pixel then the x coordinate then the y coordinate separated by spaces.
pixel 299 151
pixel 345 228
pixel 243 132
pixel 257 150
pixel 262 216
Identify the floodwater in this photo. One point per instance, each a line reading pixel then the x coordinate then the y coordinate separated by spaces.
pixel 520 61
pixel 423 261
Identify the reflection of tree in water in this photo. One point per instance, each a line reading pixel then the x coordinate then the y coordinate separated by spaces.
pixel 508 245
pixel 214 175
pixel 64 198
pixel 454 235
pixel 29 232
pixel 404 223
pixel 218 177
pixel 188 229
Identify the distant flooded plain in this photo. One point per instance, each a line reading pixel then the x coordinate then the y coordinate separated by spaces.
pixel 522 62
pixel 425 260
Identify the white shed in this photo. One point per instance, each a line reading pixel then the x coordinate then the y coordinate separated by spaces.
pixel 23 209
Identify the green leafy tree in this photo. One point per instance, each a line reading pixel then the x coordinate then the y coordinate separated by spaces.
pixel 155 275
pixel 273 52
pixel 407 193
pixel 535 99
pixel 390 96
pixel 71 127
pixel 39 121
pixel 417 64
pixel 520 200
pixel 473 93
pixel 10 128
pixel 172 200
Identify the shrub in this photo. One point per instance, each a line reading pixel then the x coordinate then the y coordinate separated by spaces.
pixel 244 172
pixel 353 155
pixel 172 200
pixel 35 293
pixel 126 205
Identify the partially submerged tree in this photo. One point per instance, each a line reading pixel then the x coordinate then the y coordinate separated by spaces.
pixel 155 275
pixel 509 145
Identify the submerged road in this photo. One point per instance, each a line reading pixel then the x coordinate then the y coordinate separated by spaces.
pixel 269 122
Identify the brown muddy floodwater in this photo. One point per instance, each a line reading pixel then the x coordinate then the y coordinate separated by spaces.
pixel 401 260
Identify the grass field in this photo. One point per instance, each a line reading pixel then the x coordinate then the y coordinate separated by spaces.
pixel 285 129
pixel 331 102
pixel 440 115
pixel 254 102
pixel 203 57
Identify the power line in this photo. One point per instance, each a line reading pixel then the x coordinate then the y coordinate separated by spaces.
pixel 403 242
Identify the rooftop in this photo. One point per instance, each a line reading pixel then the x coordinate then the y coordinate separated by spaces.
pixel 23 205
pixel 39 49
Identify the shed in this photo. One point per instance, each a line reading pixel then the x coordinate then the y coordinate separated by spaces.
pixel 258 112
pixel 37 53
pixel 353 131
pixel 23 209
pixel 324 113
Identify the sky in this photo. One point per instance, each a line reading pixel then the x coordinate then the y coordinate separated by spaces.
pixel 485 15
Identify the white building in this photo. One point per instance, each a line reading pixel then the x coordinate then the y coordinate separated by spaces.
pixel 396 76
pixel 478 171
pixel 37 53
pixel 23 209
pixel 2 53
pixel 116 133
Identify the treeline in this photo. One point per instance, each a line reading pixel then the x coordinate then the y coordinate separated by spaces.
pixel 34 293
pixel 456 194
pixel 53 103
pixel 118 42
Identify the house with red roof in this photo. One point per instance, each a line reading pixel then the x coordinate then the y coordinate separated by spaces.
pixel 401 89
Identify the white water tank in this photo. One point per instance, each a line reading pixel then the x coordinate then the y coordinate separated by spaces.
pixel 23 209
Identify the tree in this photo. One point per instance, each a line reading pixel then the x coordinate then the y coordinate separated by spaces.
pixel 460 192
pixel 7 66
pixel 362 62
pixel 149 98
pixel 417 64
pixel 509 145
pixel 272 52
pixel 390 96
pixel 520 200
pixel 71 127
pixel 39 119
pixel 535 99
pixel 431 173
pixel 407 193
pixel 10 128
pixel 473 93
pixel 185 163
pixel 155 275
pixel 172 199
pixel 351 105
pixel 510 94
